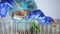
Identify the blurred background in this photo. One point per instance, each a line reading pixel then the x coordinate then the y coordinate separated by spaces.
pixel 49 7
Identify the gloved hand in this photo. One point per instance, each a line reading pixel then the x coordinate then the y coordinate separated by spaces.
pixel 35 14
pixel 4 7
pixel 40 17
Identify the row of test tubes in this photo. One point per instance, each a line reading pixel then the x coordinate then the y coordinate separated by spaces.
pixel 5 29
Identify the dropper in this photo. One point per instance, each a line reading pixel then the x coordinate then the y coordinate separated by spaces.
pixel 35 26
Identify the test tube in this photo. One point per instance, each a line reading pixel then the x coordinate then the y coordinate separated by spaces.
pixel 16 27
pixel 40 29
pixel 49 29
pixel 3 28
pixel 59 28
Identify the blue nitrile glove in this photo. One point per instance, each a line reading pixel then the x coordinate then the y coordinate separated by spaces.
pixel 9 1
pixel 48 20
pixel 45 20
pixel 4 7
pixel 35 14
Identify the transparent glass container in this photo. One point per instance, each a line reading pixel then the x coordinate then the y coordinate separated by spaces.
pixel 7 28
